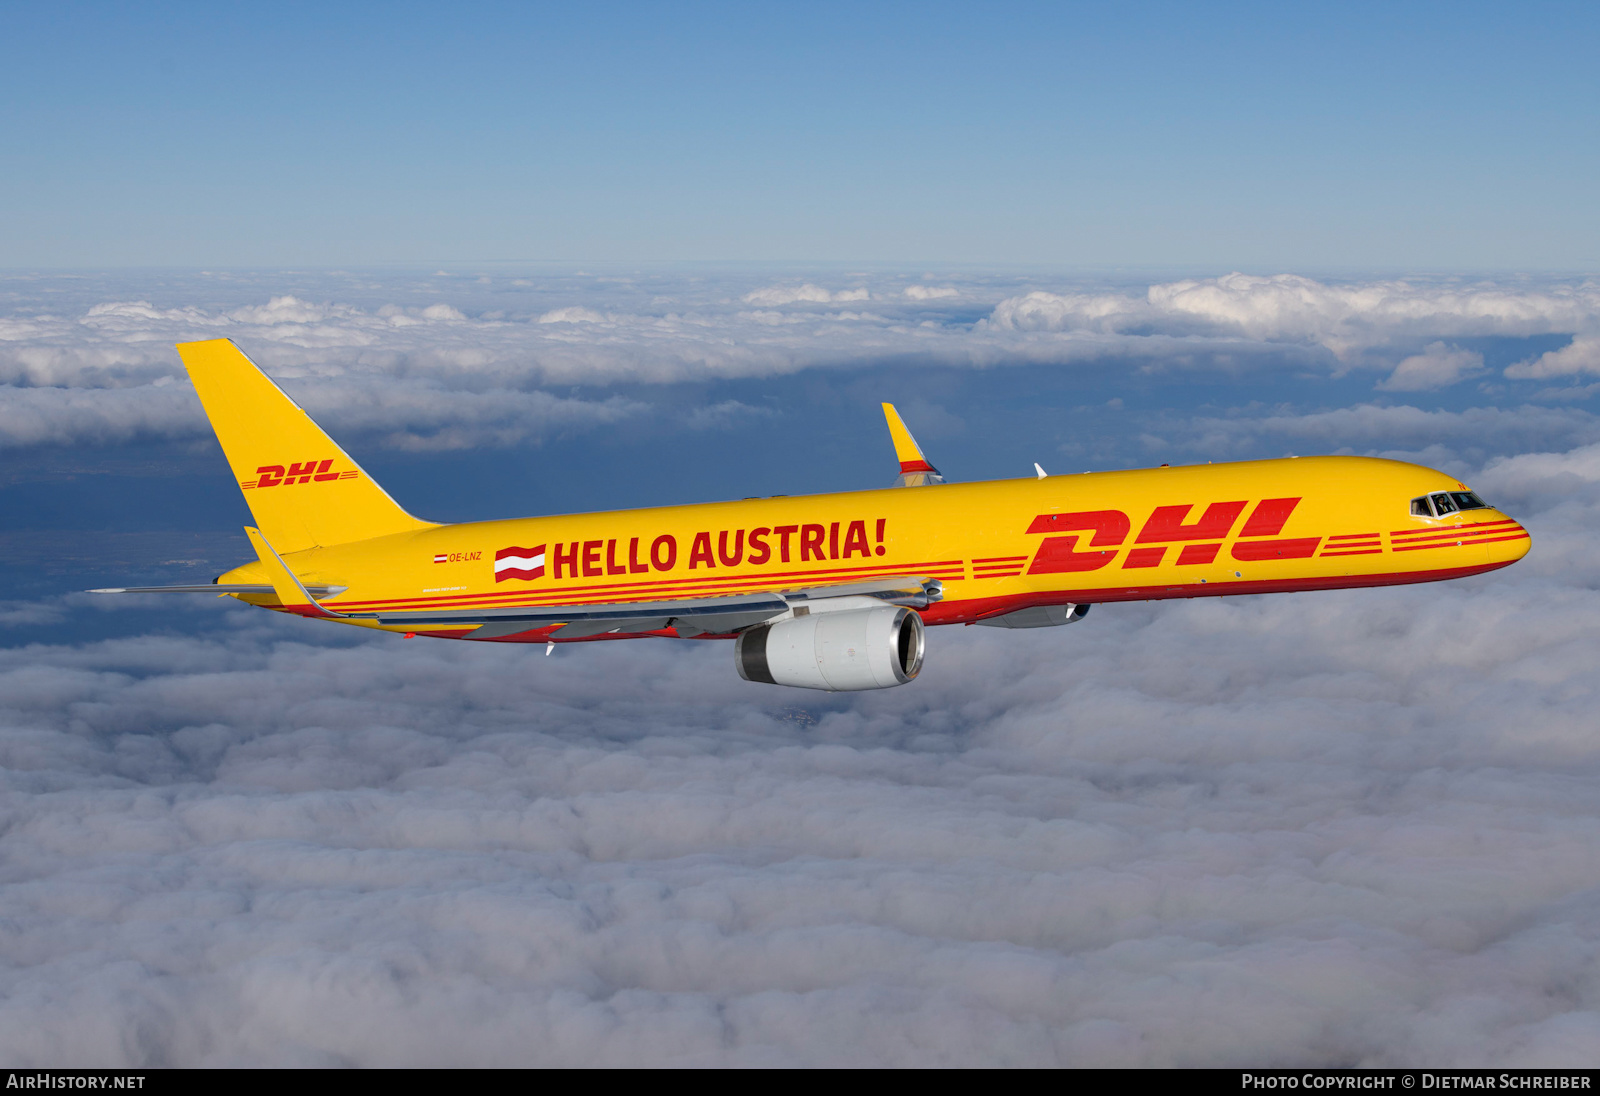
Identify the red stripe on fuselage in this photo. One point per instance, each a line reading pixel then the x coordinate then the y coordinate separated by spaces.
pixel 1434 531
pixel 1453 540
pixel 967 611
pixel 945 612
pixel 946 568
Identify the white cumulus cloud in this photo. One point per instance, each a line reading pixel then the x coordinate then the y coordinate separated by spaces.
pixel 777 295
pixel 1438 366
pixel 572 315
pixel 1582 355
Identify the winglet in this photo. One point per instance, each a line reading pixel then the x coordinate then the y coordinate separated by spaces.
pixel 915 471
pixel 285 583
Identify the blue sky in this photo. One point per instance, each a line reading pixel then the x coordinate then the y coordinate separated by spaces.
pixel 1172 136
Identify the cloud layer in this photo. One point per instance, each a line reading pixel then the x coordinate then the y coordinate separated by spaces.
pixel 471 360
pixel 1453 440
pixel 1289 307
pixel 1326 829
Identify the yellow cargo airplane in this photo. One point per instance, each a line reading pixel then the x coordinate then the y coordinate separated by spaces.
pixel 823 591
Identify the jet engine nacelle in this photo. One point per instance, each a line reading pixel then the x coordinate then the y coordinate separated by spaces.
pixel 841 650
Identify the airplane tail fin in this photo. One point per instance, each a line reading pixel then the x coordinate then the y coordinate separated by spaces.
pixel 304 491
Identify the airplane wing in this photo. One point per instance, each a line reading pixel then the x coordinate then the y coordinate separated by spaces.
pixel 689 617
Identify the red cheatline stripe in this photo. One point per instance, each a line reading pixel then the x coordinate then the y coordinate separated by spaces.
pixel 574 601
pixel 1469 530
pixel 1469 525
pixel 880 570
pixel 1423 542
pixel 1472 542
pixel 955 611
pixel 562 594
pixel 853 572
pixel 1430 531
pixel 1354 536
pixel 536 596
pixel 696 591
pixel 999 559
pixel 1463 535
pixel 609 599
pixel 1355 552
pixel 916 466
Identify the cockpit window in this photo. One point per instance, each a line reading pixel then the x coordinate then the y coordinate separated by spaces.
pixel 1446 502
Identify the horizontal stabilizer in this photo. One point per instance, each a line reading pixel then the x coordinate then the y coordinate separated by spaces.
pixel 215 588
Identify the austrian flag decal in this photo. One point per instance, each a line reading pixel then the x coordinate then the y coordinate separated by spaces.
pixel 523 563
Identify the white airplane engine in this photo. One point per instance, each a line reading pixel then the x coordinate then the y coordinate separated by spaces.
pixel 840 650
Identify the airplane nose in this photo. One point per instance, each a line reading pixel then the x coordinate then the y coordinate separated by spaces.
pixel 1508 545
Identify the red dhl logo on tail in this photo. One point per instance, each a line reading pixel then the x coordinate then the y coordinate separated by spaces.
pixel 311 471
pixel 1105 532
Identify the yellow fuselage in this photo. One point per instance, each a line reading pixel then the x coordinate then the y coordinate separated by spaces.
pixel 1215 529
